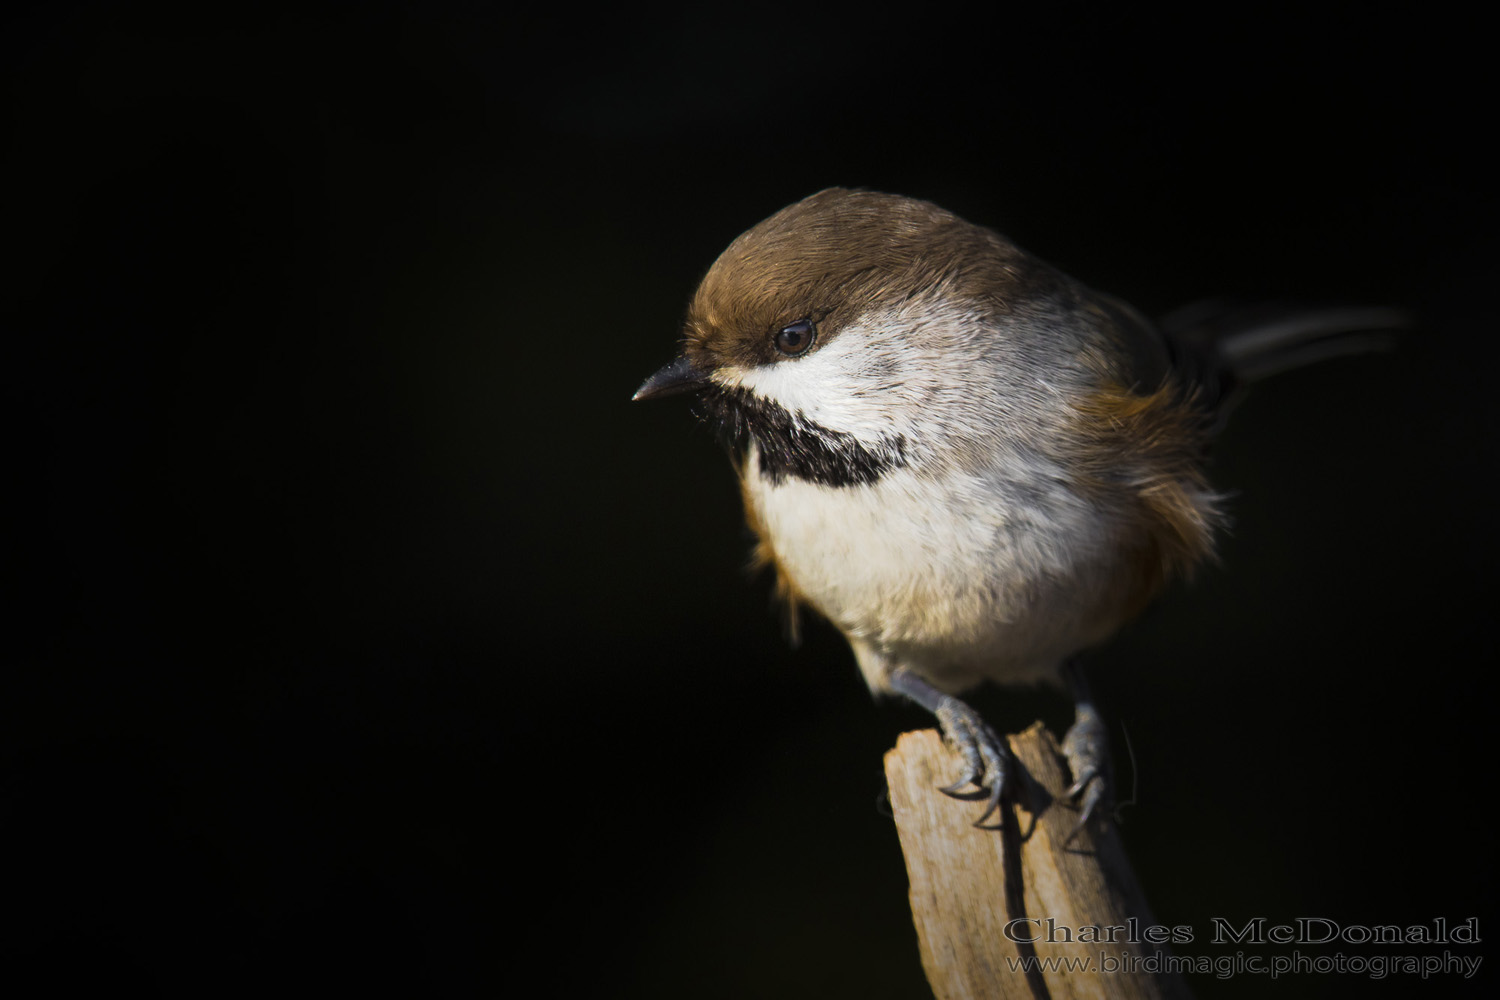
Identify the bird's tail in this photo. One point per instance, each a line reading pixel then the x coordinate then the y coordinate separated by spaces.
pixel 1227 346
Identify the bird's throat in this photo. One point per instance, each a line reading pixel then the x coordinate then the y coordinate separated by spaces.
pixel 791 446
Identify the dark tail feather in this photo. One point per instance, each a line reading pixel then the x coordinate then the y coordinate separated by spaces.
pixel 1227 346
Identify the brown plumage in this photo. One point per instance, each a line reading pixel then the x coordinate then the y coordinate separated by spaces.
pixel 972 464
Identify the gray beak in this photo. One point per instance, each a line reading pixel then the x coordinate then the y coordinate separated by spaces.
pixel 679 376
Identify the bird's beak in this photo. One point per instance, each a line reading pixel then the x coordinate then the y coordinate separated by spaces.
pixel 679 376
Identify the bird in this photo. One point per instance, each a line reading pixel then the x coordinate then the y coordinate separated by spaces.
pixel 973 465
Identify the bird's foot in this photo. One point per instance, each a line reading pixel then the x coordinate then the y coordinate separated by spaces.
pixel 1086 748
pixel 986 757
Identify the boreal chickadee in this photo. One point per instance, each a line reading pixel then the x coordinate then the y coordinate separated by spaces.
pixel 972 464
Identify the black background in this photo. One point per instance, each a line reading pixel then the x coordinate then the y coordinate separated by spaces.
pixel 364 637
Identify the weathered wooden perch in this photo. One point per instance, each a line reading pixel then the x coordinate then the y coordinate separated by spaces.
pixel 1060 902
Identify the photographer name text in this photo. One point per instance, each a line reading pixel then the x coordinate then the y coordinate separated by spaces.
pixel 1255 930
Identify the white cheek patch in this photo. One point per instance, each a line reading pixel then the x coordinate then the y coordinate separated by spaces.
pixel 826 387
pixel 870 381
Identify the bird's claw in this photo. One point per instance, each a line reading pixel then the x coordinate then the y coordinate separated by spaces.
pixel 986 757
pixel 1086 749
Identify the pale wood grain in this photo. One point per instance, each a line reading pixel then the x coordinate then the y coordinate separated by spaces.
pixel 965 891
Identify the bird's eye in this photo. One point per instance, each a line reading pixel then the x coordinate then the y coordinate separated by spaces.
pixel 795 338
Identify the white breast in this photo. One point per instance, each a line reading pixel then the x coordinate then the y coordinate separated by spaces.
pixel 945 576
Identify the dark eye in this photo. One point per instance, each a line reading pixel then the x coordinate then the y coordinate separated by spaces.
pixel 795 338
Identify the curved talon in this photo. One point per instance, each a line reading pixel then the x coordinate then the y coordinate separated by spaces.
pixel 985 755
pixel 983 752
pixel 966 743
pixel 993 751
pixel 1078 786
pixel 996 792
pixel 1086 749
pixel 956 790
pixel 1092 798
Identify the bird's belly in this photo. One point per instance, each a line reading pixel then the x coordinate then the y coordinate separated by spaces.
pixel 943 576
